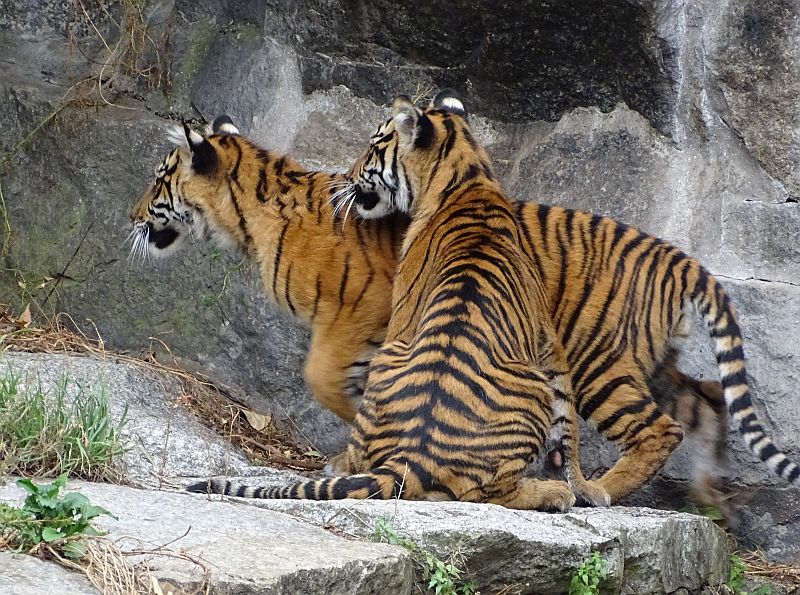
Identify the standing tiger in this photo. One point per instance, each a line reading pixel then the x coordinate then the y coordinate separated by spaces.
pixel 330 271
pixel 620 302
pixel 462 393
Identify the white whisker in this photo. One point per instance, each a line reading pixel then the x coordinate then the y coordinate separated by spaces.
pixel 349 206
pixel 349 197
pixel 335 196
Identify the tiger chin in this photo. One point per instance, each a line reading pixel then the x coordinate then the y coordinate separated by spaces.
pixel 470 380
pixel 292 223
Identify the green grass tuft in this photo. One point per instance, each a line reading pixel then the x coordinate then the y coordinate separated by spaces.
pixel 52 433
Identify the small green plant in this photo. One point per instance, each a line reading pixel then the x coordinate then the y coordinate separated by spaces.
pixel 47 519
pixel 440 576
pixel 210 301
pixel 736 579
pixel 710 512
pixel 50 433
pixel 587 579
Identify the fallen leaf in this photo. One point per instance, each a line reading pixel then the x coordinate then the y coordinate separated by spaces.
pixel 257 421
pixel 25 318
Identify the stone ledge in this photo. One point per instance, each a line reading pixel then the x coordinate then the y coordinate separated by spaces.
pixel 248 550
pixel 647 551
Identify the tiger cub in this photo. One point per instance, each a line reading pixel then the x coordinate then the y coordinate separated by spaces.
pixel 462 393
pixel 620 301
pixel 331 271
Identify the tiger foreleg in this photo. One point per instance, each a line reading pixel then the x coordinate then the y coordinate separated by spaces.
pixel 537 494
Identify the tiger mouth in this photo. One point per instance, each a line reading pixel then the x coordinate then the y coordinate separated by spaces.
pixel 367 200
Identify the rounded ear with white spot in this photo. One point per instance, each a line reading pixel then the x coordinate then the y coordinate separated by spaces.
pixel 449 101
pixel 223 125
pixel 204 157
pixel 406 119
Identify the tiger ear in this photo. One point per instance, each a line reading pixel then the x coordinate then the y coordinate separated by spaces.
pixel 204 157
pixel 406 119
pixel 223 124
pixel 449 101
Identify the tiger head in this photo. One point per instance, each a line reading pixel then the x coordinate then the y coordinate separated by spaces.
pixel 187 186
pixel 412 140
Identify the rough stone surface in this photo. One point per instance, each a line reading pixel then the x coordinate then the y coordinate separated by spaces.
pixel 166 442
pixel 25 575
pixel 646 551
pixel 246 549
pixel 677 117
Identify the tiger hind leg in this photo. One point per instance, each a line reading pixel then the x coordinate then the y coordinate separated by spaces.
pixel 645 434
pixel 564 436
pixel 699 406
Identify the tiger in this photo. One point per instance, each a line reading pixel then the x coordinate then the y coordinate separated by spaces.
pixel 328 270
pixel 621 302
pixel 471 377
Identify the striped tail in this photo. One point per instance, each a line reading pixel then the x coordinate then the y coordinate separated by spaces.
pixel 381 484
pixel 719 314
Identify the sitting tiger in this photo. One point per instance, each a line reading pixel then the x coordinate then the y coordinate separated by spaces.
pixel 463 392
pixel 620 302
pixel 311 258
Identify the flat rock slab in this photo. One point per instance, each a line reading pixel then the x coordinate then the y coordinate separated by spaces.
pixel 646 551
pixel 26 575
pixel 246 549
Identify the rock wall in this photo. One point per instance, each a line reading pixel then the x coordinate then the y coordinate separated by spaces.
pixel 680 118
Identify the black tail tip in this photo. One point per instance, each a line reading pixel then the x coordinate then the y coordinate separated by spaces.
pixel 223 124
pixel 201 487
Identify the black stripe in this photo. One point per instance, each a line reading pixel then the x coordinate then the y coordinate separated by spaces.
pixel 278 255
pixel 343 282
pixel 781 466
pixel 631 409
pixel 769 451
pixel 317 296
pixel 735 354
pixel 261 187
pixel 248 240
pixel 735 379
pixel 287 289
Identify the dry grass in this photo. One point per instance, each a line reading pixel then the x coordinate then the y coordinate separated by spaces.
pixel 757 567
pixel 122 566
pixel 214 404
